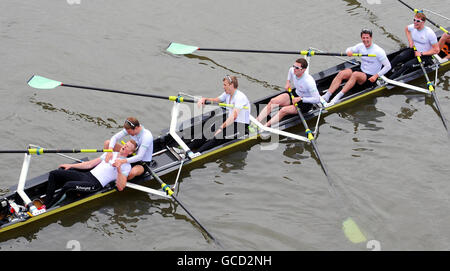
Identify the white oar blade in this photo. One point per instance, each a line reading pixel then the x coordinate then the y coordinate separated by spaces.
pixel 42 83
pixel 181 49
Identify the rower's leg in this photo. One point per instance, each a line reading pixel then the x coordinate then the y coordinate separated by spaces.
pixel 356 77
pixel 59 176
pixel 137 170
pixel 280 100
pixel 341 76
pixel 73 180
pixel 409 65
pixel 284 111
pixel 397 60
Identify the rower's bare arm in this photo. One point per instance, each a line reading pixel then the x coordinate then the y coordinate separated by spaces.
pixel 408 36
pixel 203 100
pixel 83 165
pixel 288 85
pixel 435 49
pixel 121 180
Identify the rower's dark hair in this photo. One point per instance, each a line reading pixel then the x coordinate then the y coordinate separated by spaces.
pixel 131 123
pixel 302 62
pixel 366 31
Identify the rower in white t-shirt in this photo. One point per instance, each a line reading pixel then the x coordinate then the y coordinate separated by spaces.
pixel 237 121
pixel 366 74
pixel 101 173
pixel 305 95
pixel 144 139
pixel 423 39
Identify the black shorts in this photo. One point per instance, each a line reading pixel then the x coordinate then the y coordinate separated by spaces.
pixel 366 84
pixel 304 107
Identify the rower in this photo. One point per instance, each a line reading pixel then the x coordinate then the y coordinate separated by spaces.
pixel 236 124
pixel 305 95
pixel 364 75
pixel 144 139
pixel 101 173
pixel 423 43
pixel 444 46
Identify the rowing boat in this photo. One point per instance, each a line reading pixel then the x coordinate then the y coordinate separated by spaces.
pixel 168 158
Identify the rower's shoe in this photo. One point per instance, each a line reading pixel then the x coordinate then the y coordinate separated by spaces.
pixel 331 103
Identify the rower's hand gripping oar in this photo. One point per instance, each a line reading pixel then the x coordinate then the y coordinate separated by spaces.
pixel 40 82
pixel 182 49
pixel 166 188
pixel 349 226
pixel 432 91
pixel 418 11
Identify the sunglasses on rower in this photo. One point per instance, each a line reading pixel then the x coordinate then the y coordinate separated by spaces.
pixel 417 20
pixel 297 67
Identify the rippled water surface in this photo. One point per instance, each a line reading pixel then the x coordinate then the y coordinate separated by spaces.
pixel 388 154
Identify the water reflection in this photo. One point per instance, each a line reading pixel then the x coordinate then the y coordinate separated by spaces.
pixel 108 123
pixel 366 115
pixel 233 162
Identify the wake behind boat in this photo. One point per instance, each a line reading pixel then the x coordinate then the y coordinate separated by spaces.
pixel 171 154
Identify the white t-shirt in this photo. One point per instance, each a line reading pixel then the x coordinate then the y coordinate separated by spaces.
pixel 239 100
pixel 106 173
pixel 423 39
pixel 305 86
pixel 372 65
pixel 144 141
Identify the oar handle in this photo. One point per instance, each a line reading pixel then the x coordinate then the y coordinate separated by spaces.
pixel 40 151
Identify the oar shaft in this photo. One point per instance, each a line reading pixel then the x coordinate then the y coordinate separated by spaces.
pixel 39 151
pixel 303 52
pixel 126 92
pixel 432 90
pixel 169 191
pixel 171 98
pixel 311 139
pixel 250 51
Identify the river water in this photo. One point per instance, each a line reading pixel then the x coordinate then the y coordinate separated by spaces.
pixel 389 154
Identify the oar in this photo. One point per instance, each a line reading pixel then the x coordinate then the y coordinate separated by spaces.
pixel 404 85
pixel 169 192
pixel 350 227
pixel 40 151
pixel 182 49
pixel 40 82
pixel 416 11
pixel 433 93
